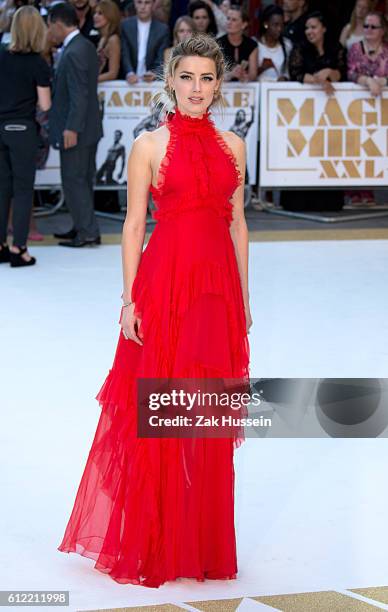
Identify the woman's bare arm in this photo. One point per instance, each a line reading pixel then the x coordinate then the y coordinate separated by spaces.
pixel 253 64
pixel 238 226
pixel 44 98
pixel 113 53
pixel 138 181
pixel 345 34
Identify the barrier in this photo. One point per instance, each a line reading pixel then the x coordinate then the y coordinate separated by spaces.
pixel 309 139
pixel 126 113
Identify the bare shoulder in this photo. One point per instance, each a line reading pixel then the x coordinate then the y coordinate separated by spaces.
pixel 159 134
pixel 142 144
pixel 236 144
pixel 113 41
pixel 147 146
pixel 148 140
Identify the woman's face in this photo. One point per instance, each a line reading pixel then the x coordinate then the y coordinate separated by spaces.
pixel 275 27
pixel 184 31
pixel 201 20
pixel 362 8
pixel 225 6
pixel 234 23
pixel 373 30
pixel 99 19
pixel 194 83
pixel 315 31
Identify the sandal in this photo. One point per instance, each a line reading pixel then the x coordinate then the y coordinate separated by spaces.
pixel 4 253
pixel 17 260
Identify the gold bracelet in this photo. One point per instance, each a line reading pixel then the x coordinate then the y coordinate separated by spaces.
pixel 127 304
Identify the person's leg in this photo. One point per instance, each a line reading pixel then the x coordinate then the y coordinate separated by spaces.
pixel 75 169
pixel 5 188
pixel 109 173
pixel 100 176
pixel 69 165
pixel 92 222
pixel 22 140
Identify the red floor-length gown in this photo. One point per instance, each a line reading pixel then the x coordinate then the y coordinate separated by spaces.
pixel 152 510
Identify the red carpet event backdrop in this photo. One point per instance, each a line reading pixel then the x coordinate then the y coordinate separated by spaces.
pixel 311 139
pixel 126 113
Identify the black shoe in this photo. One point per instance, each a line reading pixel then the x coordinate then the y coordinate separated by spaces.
pixel 67 235
pixel 4 254
pixel 17 260
pixel 78 243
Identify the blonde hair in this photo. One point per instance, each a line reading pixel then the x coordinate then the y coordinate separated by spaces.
pixel 183 19
pixel 353 16
pixel 200 45
pixel 28 31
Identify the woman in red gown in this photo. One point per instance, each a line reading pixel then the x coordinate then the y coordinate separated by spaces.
pixel 150 510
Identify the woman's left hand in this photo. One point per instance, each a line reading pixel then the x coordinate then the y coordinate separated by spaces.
pixel 248 317
pixel 328 87
pixel 322 78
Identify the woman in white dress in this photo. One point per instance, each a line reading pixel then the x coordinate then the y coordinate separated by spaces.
pixel 274 49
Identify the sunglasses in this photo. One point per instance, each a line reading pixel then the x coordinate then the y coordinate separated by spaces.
pixel 369 26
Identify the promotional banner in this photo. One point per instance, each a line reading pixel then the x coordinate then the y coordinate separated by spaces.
pixel 309 139
pixel 126 114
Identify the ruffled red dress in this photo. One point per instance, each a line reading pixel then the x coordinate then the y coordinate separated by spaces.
pixel 150 510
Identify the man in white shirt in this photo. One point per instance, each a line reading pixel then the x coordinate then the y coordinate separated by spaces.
pixel 143 40
pixel 143 31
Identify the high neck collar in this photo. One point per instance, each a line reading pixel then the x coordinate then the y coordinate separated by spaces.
pixel 186 122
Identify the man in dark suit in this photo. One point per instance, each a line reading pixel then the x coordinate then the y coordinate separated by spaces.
pixel 143 41
pixel 75 122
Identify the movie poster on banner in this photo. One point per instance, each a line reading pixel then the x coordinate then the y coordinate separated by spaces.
pixel 126 113
pixel 310 139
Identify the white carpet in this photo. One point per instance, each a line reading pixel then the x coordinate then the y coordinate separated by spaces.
pixel 310 513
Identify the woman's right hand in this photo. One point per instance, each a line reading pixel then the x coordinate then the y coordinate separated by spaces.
pixel 236 71
pixel 130 325
pixel 323 74
pixel 266 64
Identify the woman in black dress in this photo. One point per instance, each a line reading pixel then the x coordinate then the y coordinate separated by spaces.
pixel 107 21
pixel 24 81
pixel 240 50
pixel 318 60
pixel 203 17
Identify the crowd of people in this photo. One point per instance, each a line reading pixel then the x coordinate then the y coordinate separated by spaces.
pixel 132 39
pixel 41 72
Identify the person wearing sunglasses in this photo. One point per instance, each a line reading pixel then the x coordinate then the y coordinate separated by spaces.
pixel 368 59
pixel 354 30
